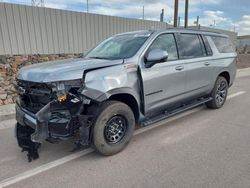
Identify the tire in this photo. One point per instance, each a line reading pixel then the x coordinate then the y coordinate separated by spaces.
pixel 113 128
pixel 219 93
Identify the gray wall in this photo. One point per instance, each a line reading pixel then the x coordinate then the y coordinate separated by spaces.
pixel 34 30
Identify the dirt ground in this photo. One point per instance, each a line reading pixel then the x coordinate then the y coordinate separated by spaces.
pixel 243 61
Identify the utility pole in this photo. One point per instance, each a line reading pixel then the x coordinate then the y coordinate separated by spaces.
pixel 186 13
pixel 197 21
pixel 176 3
pixel 87 6
pixel 162 15
pixel 179 21
pixel 143 12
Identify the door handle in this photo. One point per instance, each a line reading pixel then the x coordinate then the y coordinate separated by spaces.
pixel 207 63
pixel 179 68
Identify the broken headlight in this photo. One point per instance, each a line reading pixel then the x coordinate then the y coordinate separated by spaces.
pixel 61 88
pixel 61 92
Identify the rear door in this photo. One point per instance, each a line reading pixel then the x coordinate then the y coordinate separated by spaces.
pixel 194 53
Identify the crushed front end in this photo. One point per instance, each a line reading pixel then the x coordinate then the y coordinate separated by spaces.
pixel 51 112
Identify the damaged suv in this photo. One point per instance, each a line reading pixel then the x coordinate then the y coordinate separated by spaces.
pixel 131 78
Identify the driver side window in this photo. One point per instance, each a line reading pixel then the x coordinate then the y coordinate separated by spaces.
pixel 167 43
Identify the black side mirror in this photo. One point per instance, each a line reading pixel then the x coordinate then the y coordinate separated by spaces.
pixel 155 56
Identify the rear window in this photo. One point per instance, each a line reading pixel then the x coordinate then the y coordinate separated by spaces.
pixel 191 46
pixel 223 44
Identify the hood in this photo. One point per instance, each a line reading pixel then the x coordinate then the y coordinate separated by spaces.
pixel 70 69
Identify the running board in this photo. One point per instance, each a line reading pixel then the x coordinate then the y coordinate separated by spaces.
pixel 167 114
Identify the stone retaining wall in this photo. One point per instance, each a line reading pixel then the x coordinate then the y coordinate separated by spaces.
pixel 9 66
pixel 243 61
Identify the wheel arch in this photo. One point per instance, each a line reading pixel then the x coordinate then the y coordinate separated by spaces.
pixel 129 100
pixel 226 75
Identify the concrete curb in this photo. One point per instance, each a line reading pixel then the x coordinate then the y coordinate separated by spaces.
pixel 8 111
pixel 243 72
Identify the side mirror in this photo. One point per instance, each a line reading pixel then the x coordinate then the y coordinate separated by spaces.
pixel 155 56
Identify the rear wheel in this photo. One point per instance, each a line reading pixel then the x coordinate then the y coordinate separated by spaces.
pixel 113 128
pixel 219 94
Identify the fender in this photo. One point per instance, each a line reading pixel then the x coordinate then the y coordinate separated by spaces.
pixel 99 96
pixel 116 80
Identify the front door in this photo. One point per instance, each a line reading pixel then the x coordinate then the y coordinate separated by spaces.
pixel 164 83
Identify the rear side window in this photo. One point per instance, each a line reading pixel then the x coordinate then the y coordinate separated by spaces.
pixel 223 44
pixel 191 46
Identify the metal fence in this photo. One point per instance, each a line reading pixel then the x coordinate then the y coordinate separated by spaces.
pixel 36 30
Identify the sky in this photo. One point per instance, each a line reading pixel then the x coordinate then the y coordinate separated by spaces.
pixel 233 15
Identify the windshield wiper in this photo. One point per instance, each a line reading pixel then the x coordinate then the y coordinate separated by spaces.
pixel 98 57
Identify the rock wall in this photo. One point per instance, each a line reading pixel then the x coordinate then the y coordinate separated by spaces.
pixel 9 66
pixel 243 61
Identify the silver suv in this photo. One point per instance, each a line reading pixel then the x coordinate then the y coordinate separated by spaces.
pixel 131 78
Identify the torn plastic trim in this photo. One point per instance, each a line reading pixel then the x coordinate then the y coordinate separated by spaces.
pixel 92 94
pixel 41 130
pixel 38 121
pixel 23 134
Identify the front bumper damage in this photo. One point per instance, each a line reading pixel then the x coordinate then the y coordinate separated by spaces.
pixel 33 129
pixel 38 122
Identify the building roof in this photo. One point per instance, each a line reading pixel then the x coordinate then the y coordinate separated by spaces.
pixel 244 37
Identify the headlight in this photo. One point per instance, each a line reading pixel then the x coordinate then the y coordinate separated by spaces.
pixel 61 92
pixel 60 87
pixel 62 98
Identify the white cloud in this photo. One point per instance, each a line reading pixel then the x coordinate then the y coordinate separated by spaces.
pixel 243 26
pixel 129 8
pixel 205 2
pixel 218 17
pixel 213 17
pixel 151 12
pixel 55 5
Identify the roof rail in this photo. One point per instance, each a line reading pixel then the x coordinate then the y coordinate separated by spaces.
pixel 196 29
pixel 204 30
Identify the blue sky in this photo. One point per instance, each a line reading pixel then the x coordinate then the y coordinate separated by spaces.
pixel 225 14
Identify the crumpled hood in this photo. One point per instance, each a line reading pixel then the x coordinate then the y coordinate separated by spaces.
pixel 69 69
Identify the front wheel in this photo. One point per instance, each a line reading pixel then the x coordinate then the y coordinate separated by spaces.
pixel 113 128
pixel 219 94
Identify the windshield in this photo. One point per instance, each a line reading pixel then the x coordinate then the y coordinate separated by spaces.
pixel 118 47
